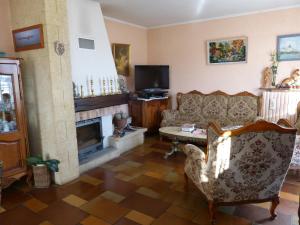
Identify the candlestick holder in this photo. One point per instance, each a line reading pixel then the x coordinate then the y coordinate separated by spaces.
pixel 104 86
pixel 81 91
pixel 92 88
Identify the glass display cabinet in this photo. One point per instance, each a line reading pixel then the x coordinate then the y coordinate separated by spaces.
pixel 13 125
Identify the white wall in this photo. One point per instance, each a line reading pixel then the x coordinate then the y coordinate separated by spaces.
pixel 86 21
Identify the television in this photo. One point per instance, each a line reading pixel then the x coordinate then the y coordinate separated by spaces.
pixel 151 77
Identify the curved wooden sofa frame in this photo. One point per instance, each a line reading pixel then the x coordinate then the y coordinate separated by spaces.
pixel 244 93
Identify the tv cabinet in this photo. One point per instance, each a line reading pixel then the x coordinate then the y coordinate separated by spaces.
pixel 147 113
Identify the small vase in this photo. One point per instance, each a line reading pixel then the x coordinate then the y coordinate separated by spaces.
pixel 274 75
pixel 274 79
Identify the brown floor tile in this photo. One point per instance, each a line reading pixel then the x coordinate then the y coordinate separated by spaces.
pixel 101 173
pixel 139 218
pixel 167 218
pixel 260 215
pixel 46 223
pixel 2 210
pixel 112 196
pixel 124 177
pixel 124 221
pixel 181 212
pixel 12 198
pixel 20 216
pixel 120 187
pixel 61 213
pixel 49 195
pixel 90 180
pixel 35 205
pixel 91 220
pixel 74 200
pixel 148 192
pixel 105 209
pixel 291 188
pixel 83 190
pixel 146 205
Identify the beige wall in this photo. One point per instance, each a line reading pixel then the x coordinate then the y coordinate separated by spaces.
pixel 136 37
pixel 183 47
pixel 6 43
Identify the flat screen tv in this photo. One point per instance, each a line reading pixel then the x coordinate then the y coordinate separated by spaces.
pixel 151 77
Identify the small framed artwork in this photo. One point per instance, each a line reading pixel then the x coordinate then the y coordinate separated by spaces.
pixel 28 38
pixel 288 47
pixel 230 50
pixel 121 53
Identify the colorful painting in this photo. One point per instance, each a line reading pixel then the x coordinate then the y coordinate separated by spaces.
pixel 288 47
pixel 233 50
pixel 121 53
pixel 28 38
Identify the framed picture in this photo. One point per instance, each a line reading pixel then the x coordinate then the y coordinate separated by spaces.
pixel 121 53
pixel 288 47
pixel 224 51
pixel 28 38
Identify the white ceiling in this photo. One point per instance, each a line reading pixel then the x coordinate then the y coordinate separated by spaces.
pixel 153 13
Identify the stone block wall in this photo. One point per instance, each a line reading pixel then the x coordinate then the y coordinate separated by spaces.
pixel 48 85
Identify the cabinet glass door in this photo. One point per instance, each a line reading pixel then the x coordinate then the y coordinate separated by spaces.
pixel 8 121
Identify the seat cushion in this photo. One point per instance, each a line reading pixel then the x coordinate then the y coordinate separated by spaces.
pixel 242 109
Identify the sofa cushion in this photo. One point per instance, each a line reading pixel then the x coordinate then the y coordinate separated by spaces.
pixel 215 109
pixel 242 109
pixel 190 106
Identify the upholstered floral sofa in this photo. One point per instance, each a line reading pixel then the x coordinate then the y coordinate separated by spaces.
pixel 244 165
pixel 226 110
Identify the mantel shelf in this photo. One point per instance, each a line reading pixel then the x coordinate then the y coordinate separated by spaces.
pixel 280 89
pixel 97 102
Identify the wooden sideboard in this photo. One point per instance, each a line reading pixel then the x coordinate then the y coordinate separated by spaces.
pixel 13 124
pixel 147 113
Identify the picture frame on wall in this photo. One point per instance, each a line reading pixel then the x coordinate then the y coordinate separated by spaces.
pixel 288 47
pixel 28 38
pixel 121 54
pixel 227 51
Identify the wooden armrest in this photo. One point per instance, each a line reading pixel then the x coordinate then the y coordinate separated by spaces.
pixel 284 123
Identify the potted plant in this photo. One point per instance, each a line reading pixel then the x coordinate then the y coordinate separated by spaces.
pixel 41 170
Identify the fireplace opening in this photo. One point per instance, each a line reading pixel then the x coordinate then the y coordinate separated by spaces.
pixel 89 138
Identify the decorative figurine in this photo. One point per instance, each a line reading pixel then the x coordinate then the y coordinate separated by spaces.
pixel 74 90
pixel 111 87
pixel 267 77
pixel 291 81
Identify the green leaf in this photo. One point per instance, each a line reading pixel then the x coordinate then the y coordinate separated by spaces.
pixel 34 160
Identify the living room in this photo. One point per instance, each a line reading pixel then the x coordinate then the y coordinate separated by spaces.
pixel 103 93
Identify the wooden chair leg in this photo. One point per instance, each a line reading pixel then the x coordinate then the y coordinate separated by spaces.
pixel 275 203
pixel 186 184
pixel 212 212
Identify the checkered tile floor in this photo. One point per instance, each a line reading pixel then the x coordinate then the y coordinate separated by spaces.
pixel 138 188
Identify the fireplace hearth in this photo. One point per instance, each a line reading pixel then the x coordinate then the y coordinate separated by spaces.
pixel 89 138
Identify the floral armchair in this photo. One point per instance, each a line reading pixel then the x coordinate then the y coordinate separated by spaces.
pixel 245 165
